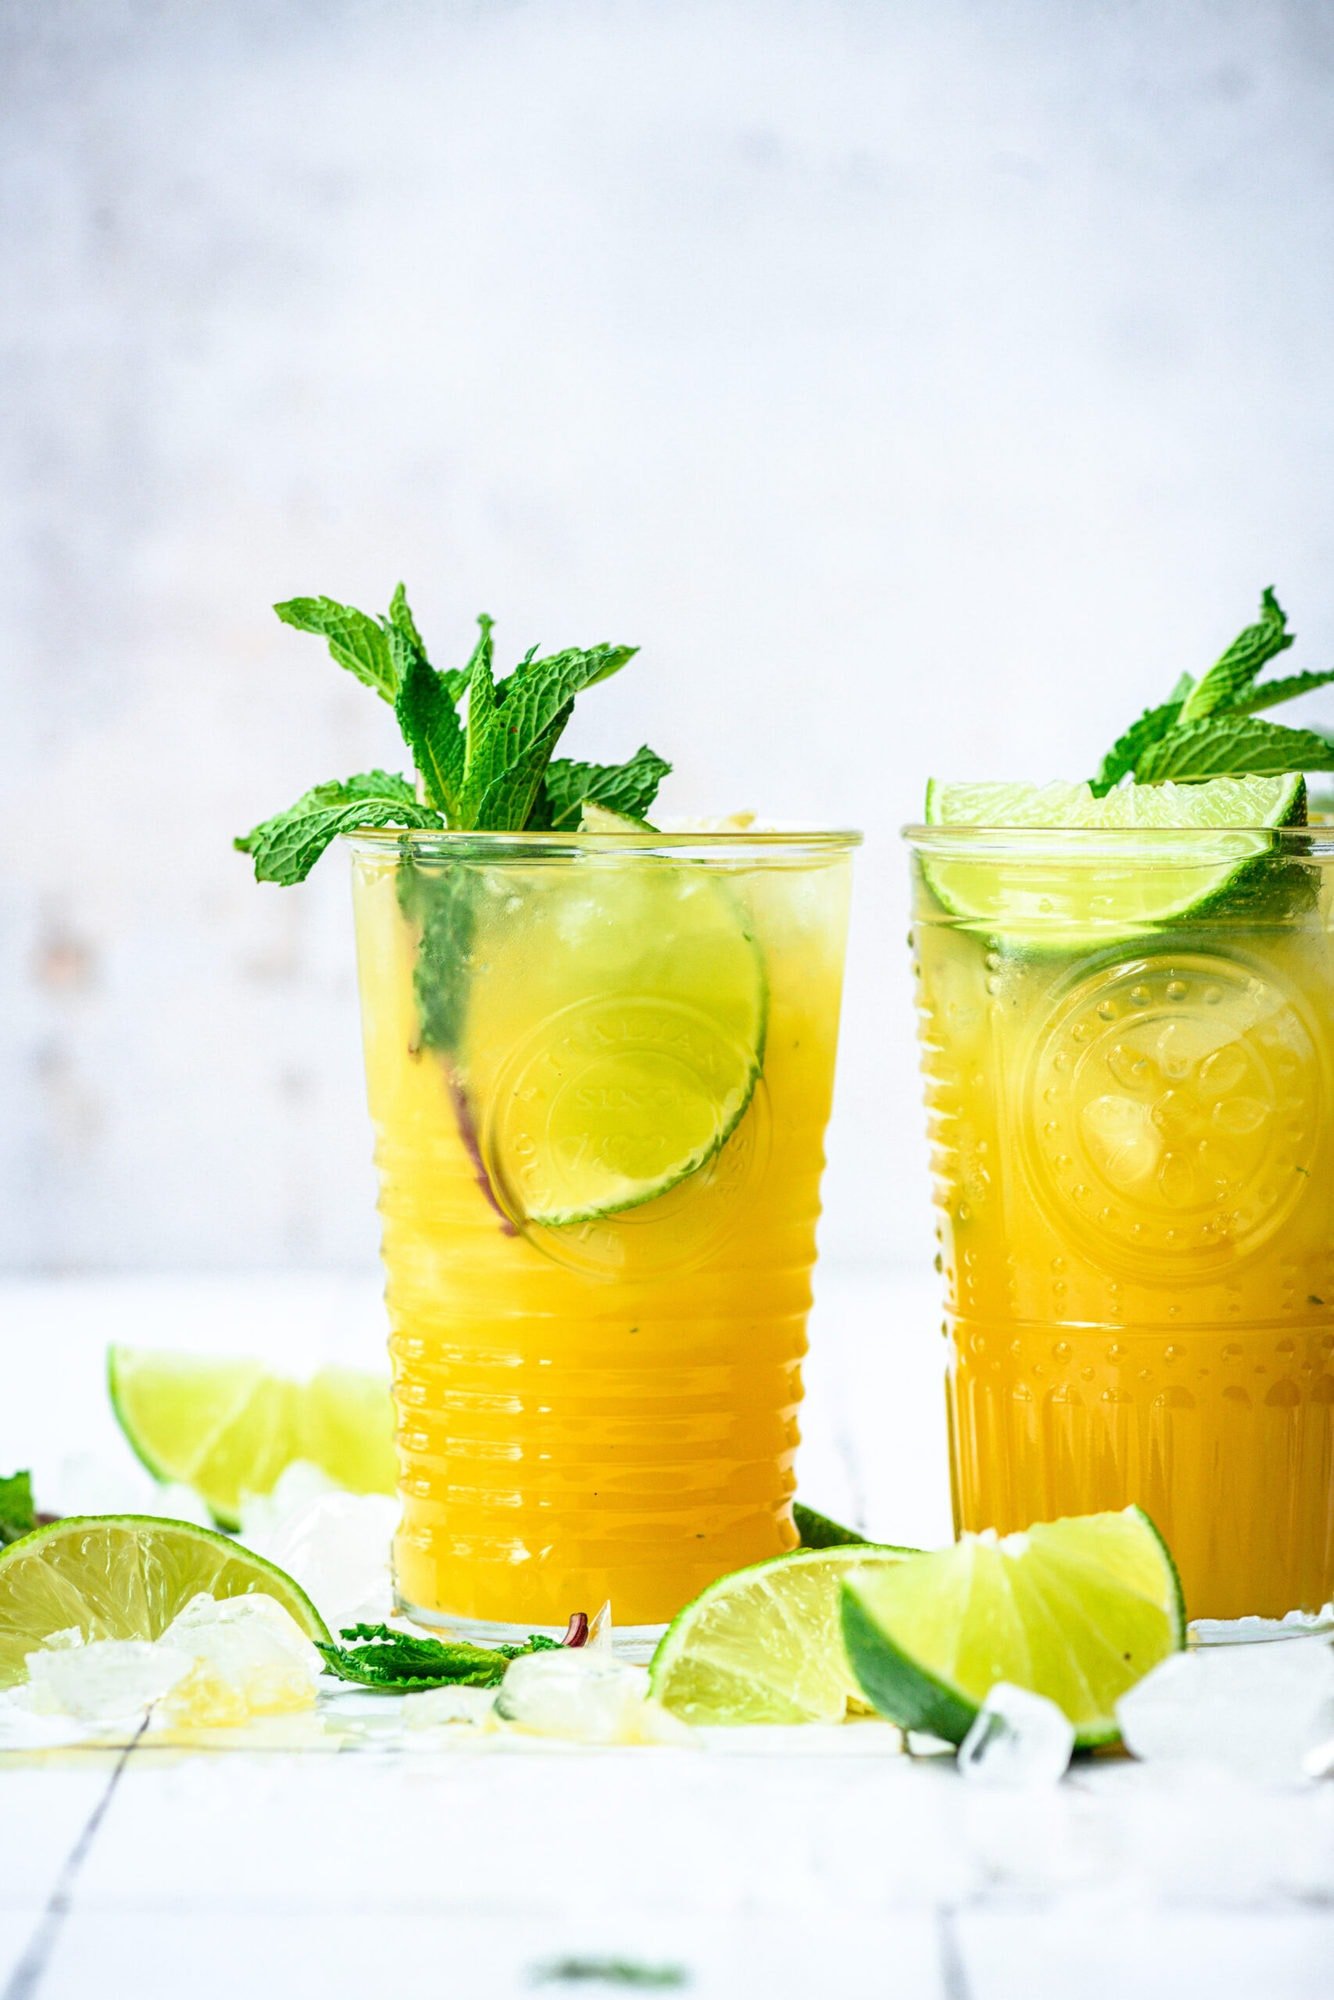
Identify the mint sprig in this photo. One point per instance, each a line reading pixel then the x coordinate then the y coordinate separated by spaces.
pixel 377 1656
pixel 1210 728
pixel 482 747
pixel 17 1515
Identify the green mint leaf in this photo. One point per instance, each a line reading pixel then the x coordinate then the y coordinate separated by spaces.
pixel 1126 752
pixel 514 726
pixel 438 899
pixel 379 1656
pixel 1226 745
pixel 431 728
pixel 1229 679
pixel 628 788
pixel 402 621
pixel 356 641
pixel 285 848
pixel 17 1516
pixel 535 694
pixel 1269 694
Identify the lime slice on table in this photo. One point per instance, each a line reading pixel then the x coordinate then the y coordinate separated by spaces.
pixel 228 1427
pixel 1077 1610
pixel 764 1644
pixel 125 1576
pixel 1199 841
pixel 615 1029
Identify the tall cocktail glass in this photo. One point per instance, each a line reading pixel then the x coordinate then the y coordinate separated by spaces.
pixel 599 1071
pixel 1128 1048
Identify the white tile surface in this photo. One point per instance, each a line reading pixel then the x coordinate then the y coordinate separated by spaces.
pixel 775 1867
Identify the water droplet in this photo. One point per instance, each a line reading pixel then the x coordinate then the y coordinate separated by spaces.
pixel 1177 989
pixel 1107 1010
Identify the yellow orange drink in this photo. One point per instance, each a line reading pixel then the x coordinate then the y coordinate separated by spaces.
pixel 599 1070
pixel 1129 1057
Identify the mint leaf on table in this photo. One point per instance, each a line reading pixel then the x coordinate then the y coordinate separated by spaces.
pixel 285 848
pixel 402 1663
pixel 17 1515
pixel 628 788
pixel 1224 745
pixel 356 641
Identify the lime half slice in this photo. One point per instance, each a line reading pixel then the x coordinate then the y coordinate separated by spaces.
pixel 125 1576
pixel 1077 1610
pixel 615 1031
pixel 1198 842
pixel 764 1644
pixel 229 1427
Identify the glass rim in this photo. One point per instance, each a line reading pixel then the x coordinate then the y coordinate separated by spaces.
pixel 430 842
pixel 1073 845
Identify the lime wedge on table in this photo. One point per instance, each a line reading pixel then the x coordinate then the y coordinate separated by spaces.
pixel 125 1576
pixel 817 1531
pixel 763 1645
pixel 1198 842
pixel 615 1029
pixel 228 1427
pixel 1077 1610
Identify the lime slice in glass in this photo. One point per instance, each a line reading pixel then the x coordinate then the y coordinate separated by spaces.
pixel 1077 1610
pixel 1198 843
pixel 763 1645
pixel 615 1029
pixel 229 1427
pixel 125 1576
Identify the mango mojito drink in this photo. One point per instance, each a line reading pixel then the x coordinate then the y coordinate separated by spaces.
pixel 1126 997
pixel 600 1060
pixel 598 1205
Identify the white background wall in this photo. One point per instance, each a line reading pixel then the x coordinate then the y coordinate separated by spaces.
pixel 923 385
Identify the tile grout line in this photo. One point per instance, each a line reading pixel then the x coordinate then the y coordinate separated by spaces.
pixel 953 1971
pixel 26 1976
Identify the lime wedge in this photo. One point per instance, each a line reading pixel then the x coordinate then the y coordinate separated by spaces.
pixel 1077 1610
pixel 615 1032
pixel 125 1576
pixel 817 1531
pixel 763 1645
pixel 1199 841
pixel 228 1427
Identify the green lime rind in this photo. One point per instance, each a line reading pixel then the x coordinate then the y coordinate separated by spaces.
pixel 228 1427
pixel 125 1576
pixel 704 1155
pixel 817 1531
pixel 1077 1610
pixel 763 1645
pixel 894 1685
pixel 1052 912
pixel 561 1166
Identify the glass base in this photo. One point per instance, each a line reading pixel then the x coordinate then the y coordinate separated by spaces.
pixel 635 1643
pixel 1261 1631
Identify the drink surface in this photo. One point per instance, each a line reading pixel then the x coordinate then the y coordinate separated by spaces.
pixel 1133 1159
pixel 603 1407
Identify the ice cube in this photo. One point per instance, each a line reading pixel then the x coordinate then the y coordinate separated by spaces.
pixel 1258 1711
pixel 1019 1739
pixel 435 1707
pixel 336 1545
pixel 247 1656
pixel 106 1681
pixel 585 1697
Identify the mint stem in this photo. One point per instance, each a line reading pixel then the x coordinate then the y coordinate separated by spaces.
pixel 467 1125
